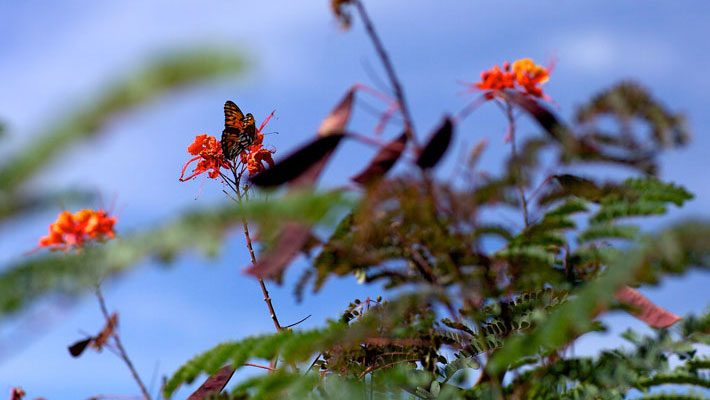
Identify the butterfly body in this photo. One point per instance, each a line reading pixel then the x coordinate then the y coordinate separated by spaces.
pixel 239 131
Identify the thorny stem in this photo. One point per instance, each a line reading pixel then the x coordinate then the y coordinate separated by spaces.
pixel 389 68
pixel 119 346
pixel 247 236
pixel 514 153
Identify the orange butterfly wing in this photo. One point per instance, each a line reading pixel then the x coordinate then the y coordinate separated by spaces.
pixel 233 126
pixel 233 116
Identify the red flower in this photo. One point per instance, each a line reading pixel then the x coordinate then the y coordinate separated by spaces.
pixel 72 230
pixel 257 157
pixel 494 79
pixel 525 76
pixel 208 150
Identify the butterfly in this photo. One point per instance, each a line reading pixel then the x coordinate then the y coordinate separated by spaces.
pixel 239 131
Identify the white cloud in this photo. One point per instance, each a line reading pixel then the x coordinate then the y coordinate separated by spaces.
pixel 604 51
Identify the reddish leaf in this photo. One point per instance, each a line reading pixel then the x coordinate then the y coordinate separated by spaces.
pixel 300 162
pixel 476 153
pixel 646 311
pixel 303 166
pixel 17 393
pixel 214 384
pixel 78 348
pixel 547 120
pixel 333 124
pixel 336 121
pixel 383 161
pixel 291 240
pixel 100 340
pixel 437 145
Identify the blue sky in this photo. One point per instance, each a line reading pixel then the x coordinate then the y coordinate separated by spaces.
pixel 54 56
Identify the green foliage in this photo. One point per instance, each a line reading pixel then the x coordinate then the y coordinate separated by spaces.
pixel 627 101
pixel 647 364
pixel 574 317
pixel 640 197
pixel 382 332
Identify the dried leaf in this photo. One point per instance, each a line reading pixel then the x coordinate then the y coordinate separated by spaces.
pixel 292 238
pixel 17 393
pixel 300 163
pixel 648 312
pixel 338 118
pixel 547 120
pixel 303 166
pixel 476 153
pixel 383 161
pixel 437 145
pixel 214 384
pixel 78 348
pixel 99 341
pixel 343 15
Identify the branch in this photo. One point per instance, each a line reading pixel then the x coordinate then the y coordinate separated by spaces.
pixel 247 236
pixel 119 346
pixel 514 153
pixel 389 68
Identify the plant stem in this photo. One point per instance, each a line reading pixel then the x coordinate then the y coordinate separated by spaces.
pixel 258 366
pixel 250 247
pixel 264 290
pixel 119 346
pixel 514 154
pixel 389 69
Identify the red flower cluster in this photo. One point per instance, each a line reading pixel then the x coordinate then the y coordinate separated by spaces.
pixel 524 75
pixel 208 150
pixel 256 155
pixel 72 230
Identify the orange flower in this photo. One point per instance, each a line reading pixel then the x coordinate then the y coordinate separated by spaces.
pixel 256 155
pixel 529 75
pixel 494 79
pixel 208 150
pixel 72 230
pixel 525 76
pixel 255 158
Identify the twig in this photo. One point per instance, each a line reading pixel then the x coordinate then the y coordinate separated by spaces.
pixel 297 322
pixel 250 247
pixel 258 366
pixel 376 367
pixel 313 363
pixel 514 154
pixel 389 68
pixel 252 255
pixel 119 346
